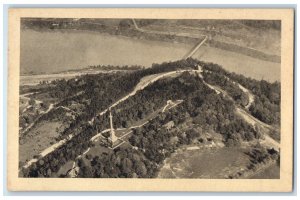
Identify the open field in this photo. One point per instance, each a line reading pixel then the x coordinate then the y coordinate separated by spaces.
pixel 272 172
pixel 204 163
pixel 98 149
pixel 38 139
pixel 44 97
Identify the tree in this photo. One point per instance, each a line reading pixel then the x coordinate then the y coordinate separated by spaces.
pixel 126 166
pixel 86 172
pixel 192 134
pixel 140 169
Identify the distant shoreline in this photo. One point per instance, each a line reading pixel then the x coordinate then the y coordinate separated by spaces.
pixel 135 34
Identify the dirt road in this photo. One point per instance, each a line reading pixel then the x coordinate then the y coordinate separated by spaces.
pixel 141 86
pixel 248 117
pixel 51 106
pixel 246 91
pixel 252 120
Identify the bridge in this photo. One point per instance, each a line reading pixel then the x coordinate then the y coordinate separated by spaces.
pixel 190 53
pixel 193 51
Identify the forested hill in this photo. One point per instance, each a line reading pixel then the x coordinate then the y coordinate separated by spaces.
pixel 266 106
pixel 202 109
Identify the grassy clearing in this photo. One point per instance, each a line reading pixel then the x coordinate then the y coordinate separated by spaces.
pixel 204 163
pixel 98 149
pixel 45 98
pixel 272 172
pixel 38 139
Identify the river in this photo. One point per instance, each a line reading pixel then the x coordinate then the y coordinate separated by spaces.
pixel 54 51
pixel 240 64
pixel 48 52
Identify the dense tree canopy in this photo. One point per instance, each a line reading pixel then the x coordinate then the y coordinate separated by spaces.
pixel 150 144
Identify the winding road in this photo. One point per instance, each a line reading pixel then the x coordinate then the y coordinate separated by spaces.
pixel 248 117
pixel 51 106
pixel 140 86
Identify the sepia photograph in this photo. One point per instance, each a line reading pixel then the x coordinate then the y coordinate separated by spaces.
pixel 152 97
